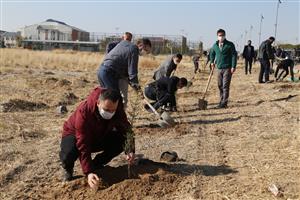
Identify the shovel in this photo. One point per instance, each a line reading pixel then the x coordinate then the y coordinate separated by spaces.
pixel 164 120
pixel 202 103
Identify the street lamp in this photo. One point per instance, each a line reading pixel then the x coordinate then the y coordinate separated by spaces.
pixel 260 25
pixel 276 23
pixel 250 32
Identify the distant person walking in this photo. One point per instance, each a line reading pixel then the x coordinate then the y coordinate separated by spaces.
pixel 248 55
pixel 265 57
pixel 196 60
pixel 223 54
pixel 167 67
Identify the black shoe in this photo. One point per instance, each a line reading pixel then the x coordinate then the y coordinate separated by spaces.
pixel 67 175
pixel 221 105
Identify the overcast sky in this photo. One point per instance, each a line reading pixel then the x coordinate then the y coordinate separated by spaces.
pixel 196 19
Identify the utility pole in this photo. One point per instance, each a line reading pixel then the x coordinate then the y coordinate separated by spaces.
pixel 117 30
pixel 245 36
pixel 250 32
pixel 260 26
pixel 242 42
pixel 276 22
pixel 182 35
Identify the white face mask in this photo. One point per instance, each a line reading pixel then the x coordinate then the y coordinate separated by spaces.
pixel 221 38
pixel 105 114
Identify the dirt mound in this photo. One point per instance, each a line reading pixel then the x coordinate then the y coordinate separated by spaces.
pixel 50 80
pixel 63 82
pixel 81 82
pixel 285 87
pixel 48 73
pixel 150 179
pixel 14 105
pixel 68 98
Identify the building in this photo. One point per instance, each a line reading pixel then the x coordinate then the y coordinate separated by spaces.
pixel 53 30
pixel 9 39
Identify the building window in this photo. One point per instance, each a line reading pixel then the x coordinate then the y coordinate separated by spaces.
pixel 46 34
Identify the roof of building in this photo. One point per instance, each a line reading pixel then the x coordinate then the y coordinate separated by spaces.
pixel 10 34
pixel 53 20
pixel 52 24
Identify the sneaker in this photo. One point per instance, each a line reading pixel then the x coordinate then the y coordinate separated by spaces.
pixel 67 175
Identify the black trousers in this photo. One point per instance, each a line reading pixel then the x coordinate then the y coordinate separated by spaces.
pixel 224 79
pixel 264 70
pixel 248 62
pixel 196 65
pixel 111 146
pixel 160 98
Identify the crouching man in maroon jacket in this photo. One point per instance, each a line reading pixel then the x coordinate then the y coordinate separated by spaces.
pixel 98 124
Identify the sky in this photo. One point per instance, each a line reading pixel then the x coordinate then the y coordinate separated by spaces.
pixel 196 19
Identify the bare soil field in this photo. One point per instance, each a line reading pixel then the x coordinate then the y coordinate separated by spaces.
pixel 233 153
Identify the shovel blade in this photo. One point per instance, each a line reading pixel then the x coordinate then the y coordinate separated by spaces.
pixel 166 120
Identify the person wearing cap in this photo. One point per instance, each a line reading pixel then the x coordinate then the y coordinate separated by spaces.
pixel 167 67
pixel 163 91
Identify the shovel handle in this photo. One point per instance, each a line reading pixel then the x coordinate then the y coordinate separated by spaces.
pixel 152 108
pixel 208 82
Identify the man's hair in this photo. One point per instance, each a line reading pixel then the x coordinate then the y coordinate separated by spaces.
pixel 110 94
pixel 221 31
pixel 250 41
pixel 178 56
pixel 272 38
pixel 183 81
pixel 145 41
pixel 128 35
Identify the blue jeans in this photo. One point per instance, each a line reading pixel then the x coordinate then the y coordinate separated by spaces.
pixel 108 78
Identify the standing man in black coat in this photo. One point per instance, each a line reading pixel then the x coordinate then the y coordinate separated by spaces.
pixel 265 56
pixel 248 55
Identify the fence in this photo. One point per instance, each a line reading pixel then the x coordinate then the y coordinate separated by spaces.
pixel 161 44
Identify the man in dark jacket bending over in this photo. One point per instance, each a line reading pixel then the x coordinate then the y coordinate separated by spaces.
pixel 163 91
pixel 98 124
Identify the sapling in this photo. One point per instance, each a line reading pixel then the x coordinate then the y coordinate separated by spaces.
pixel 129 143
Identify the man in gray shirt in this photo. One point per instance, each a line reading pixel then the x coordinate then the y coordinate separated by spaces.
pixel 167 67
pixel 122 62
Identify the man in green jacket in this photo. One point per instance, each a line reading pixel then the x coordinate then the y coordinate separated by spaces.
pixel 223 54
